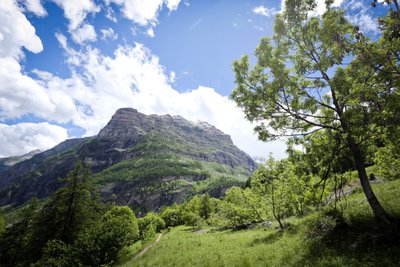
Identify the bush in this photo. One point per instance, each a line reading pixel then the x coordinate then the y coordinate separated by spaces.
pixel 193 219
pixel 149 233
pixel 100 245
pixel 57 254
pixel 172 216
pixel 152 219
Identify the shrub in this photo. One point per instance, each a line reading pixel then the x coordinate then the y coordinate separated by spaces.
pixel 152 219
pixel 100 245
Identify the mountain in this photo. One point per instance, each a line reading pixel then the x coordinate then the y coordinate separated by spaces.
pixel 144 161
pixel 8 162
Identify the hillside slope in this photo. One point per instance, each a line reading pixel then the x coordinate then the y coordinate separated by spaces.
pixel 144 161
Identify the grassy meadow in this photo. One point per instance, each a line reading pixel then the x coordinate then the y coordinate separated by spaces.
pixel 309 241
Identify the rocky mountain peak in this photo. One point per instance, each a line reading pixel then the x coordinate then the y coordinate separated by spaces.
pixel 126 123
pixel 129 125
pixel 144 161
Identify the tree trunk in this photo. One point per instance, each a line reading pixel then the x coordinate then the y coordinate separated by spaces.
pixel 376 206
pixel 358 157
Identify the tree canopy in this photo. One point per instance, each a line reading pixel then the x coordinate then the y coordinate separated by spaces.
pixel 308 79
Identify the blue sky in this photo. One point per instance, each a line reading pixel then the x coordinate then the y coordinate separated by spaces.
pixel 67 65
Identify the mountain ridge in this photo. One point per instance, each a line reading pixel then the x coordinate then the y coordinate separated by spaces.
pixel 145 161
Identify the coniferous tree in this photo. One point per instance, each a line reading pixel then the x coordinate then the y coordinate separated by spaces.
pixel 16 242
pixel 67 211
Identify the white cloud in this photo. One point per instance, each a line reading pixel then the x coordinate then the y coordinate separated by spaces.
pixel 16 31
pixel 36 7
pixel 172 4
pixel 150 32
pixel 19 93
pixel 84 33
pixel 108 33
pixel 360 15
pixel 107 84
pixel 172 76
pixel 144 12
pixel 21 138
pixel 97 87
pixel 110 14
pixel 76 11
pixel 264 11
pixel 319 9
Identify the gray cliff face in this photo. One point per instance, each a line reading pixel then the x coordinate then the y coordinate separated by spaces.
pixel 145 161
pixel 128 125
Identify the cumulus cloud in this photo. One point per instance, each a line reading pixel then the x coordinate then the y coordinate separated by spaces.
pixel 16 31
pixel 76 11
pixel 19 93
pixel 89 100
pixel 110 14
pixel 98 86
pixel 144 12
pixel 150 32
pixel 84 33
pixel 22 138
pixel 361 16
pixel 108 34
pixel 320 6
pixel 36 7
pixel 264 11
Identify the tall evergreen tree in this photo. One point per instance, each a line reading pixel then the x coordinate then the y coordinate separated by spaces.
pixel 15 248
pixel 68 210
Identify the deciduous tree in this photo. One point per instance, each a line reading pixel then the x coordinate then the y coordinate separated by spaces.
pixel 301 84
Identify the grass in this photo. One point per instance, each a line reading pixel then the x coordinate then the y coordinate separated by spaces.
pixel 126 256
pixel 358 242
pixel 258 247
pixel 358 210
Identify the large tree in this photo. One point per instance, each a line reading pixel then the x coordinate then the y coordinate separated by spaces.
pixel 67 211
pixel 303 83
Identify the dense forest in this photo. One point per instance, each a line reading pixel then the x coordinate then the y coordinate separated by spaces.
pixel 333 94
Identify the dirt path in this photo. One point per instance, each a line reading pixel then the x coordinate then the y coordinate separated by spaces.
pixel 146 248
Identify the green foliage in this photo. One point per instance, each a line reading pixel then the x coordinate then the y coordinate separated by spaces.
pixel 272 181
pixel 172 216
pixel 321 225
pixel 192 219
pixel 149 233
pixel 259 247
pixel 57 254
pixel 16 243
pixel 2 223
pixel 101 244
pixel 241 206
pixel 318 239
pixel 300 85
pixel 388 160
pixel 152 219
pixel 150 166
pixel 67 211
pixel 45 234
pixel 358 210
pixel 205 208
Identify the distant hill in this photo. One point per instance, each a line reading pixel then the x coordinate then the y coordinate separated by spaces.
pixel 144 161
pixel 8 162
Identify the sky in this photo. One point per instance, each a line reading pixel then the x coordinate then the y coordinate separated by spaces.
pixel 66 66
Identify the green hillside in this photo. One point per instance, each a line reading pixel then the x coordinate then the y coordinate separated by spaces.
pixel 304 243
